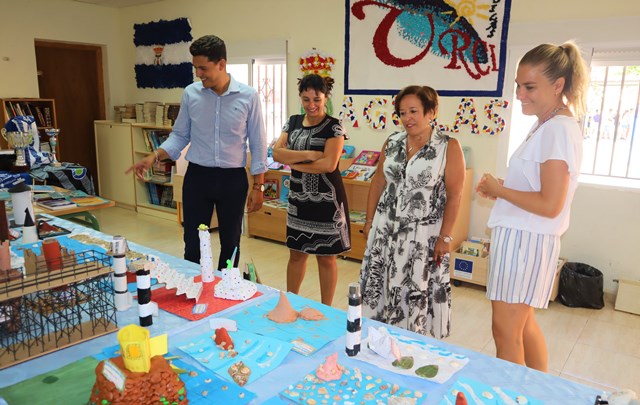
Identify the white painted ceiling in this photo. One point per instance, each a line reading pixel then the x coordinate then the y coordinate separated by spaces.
pixel 117 3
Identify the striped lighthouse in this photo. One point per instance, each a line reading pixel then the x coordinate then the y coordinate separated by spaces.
pixel 354 320
pixel 119 251
pixel 146 308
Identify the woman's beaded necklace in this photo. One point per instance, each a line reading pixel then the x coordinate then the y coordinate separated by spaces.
pixel 551 115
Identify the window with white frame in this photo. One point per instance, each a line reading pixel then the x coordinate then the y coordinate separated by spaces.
pixel 611 126
pixel 269 78
pixel 611 147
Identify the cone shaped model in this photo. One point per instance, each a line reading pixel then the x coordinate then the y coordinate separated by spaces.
pixel 28 221
pixel 283 312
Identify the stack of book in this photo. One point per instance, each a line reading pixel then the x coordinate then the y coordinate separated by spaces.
pixel 170 113
pixel 363 167
pixel 56 204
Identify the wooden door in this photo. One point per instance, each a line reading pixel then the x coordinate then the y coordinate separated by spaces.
pixel 72 75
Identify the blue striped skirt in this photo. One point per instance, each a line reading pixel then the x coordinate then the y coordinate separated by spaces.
pixel 522 266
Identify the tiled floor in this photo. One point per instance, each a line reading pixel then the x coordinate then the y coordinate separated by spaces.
pixel 600 348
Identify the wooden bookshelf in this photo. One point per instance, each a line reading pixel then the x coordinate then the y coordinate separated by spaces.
pixel 154 195
pixel 43 111
pixel 271 222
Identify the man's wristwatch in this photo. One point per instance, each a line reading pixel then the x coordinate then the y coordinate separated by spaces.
pixel 258 186
pixel 446 238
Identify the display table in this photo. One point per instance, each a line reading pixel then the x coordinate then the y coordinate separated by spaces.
pixel 488 370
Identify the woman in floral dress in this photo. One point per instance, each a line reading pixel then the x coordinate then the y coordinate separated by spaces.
pixel 411 209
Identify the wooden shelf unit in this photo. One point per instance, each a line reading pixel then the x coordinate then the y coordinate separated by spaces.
pixel 144 188
pixel 119 146
pixel 42 109
pixel 114 155
pixel 271 222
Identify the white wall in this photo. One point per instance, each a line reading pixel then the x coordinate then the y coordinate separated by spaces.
pixel 605 221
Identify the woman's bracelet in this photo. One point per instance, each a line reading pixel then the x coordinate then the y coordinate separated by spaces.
pixel 368 222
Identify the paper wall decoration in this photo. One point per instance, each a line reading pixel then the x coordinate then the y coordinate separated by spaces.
pixel 466 115
pixel 317 62
pixel 375 118
pixel 347 114
pixel 392 43
pixel 489 110
pixel 162 54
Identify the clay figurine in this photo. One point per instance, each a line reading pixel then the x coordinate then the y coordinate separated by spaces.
pixel 283 312
pixel 223 340
pixel 330 370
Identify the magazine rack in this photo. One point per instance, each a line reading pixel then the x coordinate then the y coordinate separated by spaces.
pixel 48 310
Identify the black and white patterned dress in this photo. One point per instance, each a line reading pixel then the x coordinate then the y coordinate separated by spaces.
pixel 401 284
pixel 318 215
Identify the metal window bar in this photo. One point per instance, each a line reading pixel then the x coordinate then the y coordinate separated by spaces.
pixel 616 120
pixel 609 88
pixel 633 126
pixel 269 79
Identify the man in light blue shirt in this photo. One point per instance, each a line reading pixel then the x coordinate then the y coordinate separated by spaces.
pixel 217 117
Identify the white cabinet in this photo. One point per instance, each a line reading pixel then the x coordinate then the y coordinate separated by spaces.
pixel 114 155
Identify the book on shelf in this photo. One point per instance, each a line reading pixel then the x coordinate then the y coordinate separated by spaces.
pixel 359 172
pixel 284 189
pixel 363 166
pixel 358 217
pixel 277 204
pixel 347 151
pixel 88 200
pixel 171 111
pixel 42 188
pixel 40 117
pixel 56 204
pixel 271 189
pixel 273 165
pixel 47 116
pixel 367 158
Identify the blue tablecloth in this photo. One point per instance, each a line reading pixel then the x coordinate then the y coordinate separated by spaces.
pixel 489 370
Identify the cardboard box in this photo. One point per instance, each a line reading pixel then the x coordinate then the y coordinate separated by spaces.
pixel 627 297
pixel 471 269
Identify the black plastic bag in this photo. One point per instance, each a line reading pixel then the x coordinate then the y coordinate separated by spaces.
pixel 581 286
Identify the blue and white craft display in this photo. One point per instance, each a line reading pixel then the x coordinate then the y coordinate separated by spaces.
pixel 162 54
pixel 354 320
pixel 206 258
pixel 122 295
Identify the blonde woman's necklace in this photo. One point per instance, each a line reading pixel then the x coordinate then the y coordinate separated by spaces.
pixel 551 115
